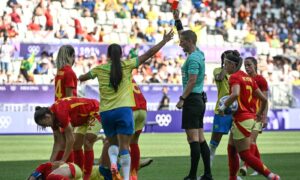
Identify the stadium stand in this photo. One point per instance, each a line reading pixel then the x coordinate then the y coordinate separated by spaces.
pixel 271 27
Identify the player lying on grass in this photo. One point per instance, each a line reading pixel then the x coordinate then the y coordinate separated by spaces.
pixel 56 171
pixel 71 112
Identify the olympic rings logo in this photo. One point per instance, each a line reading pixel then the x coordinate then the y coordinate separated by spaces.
pixel 34 49
pixel 5 122
pixel 163 119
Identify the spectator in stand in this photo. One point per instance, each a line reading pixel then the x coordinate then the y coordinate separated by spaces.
pixel 101 34
pixel 6 55
pixel 62 33
pixel 250 38
pixel 242 17
pixel 121 13
pixel 88 4
pixel 154 78
pixel 33 26
pixel 49 19
pixel 165 100
pixel 26 65
pixel 13 3
pixel 134 52
pixel 151 15
pixel 79 32
pixel 15 17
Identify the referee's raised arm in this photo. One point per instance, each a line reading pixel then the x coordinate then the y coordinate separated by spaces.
pixel 178 23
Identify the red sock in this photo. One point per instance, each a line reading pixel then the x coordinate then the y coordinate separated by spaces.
pixel 252 151
pixel 135 157
pixel 256 153
pixel 59 155
pixel 71 157
pixel 88 162
pixel 78 158
pixel 233 162
pixel 254 162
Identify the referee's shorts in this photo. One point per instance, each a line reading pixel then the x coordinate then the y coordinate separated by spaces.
pixel 193 111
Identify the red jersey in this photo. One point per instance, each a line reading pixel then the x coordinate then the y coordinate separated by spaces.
pixel 246 101
pixel 78 28
pixel 262 85
pixel 74 110
pixel 44 169
pixel 65 78
pixel 140 101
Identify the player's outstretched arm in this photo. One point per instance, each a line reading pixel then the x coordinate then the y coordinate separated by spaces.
pixel 167 37
pixel 84 77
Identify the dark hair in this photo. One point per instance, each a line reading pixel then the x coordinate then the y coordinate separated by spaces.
pixel 225 53
pixel 115 52
pixel 40 113
pixel 189 35
pixel 254 62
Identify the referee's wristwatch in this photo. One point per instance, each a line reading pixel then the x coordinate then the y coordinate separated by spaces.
pixel 182 98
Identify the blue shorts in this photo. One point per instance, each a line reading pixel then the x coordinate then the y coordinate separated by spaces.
pixel 222 124
pixel 117 121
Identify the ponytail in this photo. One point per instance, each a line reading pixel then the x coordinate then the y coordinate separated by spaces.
pixel 115 53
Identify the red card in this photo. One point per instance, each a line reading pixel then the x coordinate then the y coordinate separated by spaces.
pixel 175 5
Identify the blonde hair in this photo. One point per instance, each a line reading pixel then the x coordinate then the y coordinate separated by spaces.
pixel 65 56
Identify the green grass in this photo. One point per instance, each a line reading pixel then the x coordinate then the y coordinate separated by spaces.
pixel 19 155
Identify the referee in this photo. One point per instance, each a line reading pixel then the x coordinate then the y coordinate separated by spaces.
pixel 192 101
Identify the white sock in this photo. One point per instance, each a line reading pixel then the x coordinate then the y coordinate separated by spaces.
pixel 271 175
pixel 113 152
pixel 212 149
pixel 125 161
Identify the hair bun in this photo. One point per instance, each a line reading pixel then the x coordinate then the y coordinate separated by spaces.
pixel 233 57
pixel 38 108
pixel 236 53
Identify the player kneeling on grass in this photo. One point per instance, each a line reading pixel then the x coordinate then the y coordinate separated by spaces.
pixel 71 112
pixel 56 171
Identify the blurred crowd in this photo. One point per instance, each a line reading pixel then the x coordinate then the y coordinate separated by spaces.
pixel 272 26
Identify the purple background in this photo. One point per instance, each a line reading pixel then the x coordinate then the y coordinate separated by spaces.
pixel 19 118
pixel 212 54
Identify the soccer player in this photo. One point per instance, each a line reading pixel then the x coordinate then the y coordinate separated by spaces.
pixel 243 89
pixel 251 69
pixel 65 86
pixel 56 171
pixel 222 123
pixel 117 100
pixel 139 116
pixel 72 112
pixel 192 101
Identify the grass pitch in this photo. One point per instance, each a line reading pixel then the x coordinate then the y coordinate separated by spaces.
pixel 20 155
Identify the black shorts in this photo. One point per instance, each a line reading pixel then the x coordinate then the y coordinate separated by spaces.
pixel 193 111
